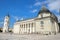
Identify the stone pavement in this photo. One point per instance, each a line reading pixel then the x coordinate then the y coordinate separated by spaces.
pixel 7 36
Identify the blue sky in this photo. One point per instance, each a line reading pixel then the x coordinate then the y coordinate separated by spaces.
pixel 23 9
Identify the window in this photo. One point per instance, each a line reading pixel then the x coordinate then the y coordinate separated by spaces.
pixel 42 24
pixel 41 16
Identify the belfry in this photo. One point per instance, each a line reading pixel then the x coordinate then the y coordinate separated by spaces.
pixel 6 24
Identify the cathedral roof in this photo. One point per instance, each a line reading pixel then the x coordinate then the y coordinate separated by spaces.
pixel 44 9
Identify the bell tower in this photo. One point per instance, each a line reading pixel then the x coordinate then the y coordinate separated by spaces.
pixel 6 24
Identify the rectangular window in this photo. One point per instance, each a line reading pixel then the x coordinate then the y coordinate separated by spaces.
pixel 42 24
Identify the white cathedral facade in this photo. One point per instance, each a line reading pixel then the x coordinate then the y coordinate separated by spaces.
pixel 44 23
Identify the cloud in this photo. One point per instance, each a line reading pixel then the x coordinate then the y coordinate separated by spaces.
pixel 16 18
pixel 55 5
pixel 22 18
pixel 40 3
pixel 34 11
pixel 37 4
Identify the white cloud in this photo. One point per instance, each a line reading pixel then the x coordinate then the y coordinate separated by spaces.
pixel 33 11
pixel 37 4
pixel 16 18
pixel 55 5
pixel 40 3
pixel 22 18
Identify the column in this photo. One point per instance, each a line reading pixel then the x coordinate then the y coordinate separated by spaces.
pixel 56 27
pixel 27 28
pixel 19 29
pixel 33 28
pixel 22 29
pixel 30 27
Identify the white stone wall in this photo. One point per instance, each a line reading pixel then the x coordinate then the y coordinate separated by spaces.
pixel 16 28
pixel 56 27
pixel 44 15
pixel 46 26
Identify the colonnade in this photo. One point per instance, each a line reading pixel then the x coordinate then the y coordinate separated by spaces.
pixel 27 28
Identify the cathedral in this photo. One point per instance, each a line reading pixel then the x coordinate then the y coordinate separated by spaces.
pixel 45 23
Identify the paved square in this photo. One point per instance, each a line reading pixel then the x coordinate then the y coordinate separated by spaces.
pixel 29 37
